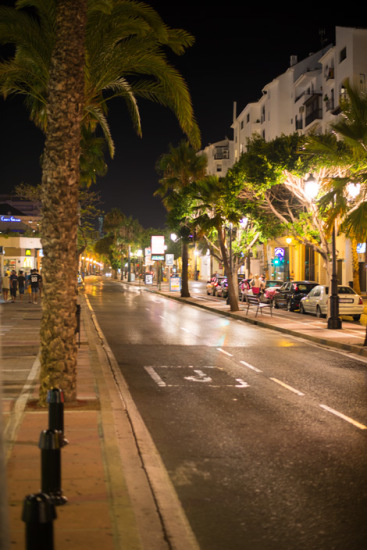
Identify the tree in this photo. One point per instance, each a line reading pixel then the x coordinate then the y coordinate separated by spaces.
pixel 60 187
pixel 179 168
pixel 125 45
pixel 127 233
pixel 274 176
pixel 219 208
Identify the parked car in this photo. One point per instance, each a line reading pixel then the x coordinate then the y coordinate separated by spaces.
pixel 316 302
pixel 290 293
pixel 211 286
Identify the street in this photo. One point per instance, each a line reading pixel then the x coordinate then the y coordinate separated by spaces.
pixel 263 435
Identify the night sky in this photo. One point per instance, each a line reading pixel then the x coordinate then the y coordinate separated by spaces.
pixel 237 51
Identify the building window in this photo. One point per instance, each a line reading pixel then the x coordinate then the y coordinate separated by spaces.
pixel 219 167
pixel 241 124
pixel 248 118
pixel 342 54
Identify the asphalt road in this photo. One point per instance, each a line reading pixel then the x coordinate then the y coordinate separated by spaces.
pixel 264 436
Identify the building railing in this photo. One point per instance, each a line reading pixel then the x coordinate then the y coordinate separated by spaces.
pixel 314 115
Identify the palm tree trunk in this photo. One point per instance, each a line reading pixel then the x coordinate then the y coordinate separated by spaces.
pixel 185 293
pixel 60 181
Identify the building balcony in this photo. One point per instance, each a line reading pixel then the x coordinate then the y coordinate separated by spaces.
pixel 314 115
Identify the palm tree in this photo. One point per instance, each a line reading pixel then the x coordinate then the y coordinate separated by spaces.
pixel 180 167
pixel 125 58
pixel 60 186
pixel 122 44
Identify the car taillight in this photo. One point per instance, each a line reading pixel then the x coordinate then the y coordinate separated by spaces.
pixel 360 302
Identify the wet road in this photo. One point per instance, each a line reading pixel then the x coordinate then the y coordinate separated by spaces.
pixel 263 435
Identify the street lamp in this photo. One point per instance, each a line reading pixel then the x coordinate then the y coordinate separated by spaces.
pixel 334 321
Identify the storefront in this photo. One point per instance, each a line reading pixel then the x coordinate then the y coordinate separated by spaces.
pixel 20 254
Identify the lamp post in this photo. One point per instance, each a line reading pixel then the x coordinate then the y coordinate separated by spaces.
pixel 334 321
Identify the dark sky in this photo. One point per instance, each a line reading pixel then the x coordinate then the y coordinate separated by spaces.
pixel 237 51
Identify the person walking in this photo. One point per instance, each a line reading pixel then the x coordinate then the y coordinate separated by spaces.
pixel 6 286
pixel 13 285
pixel 21 285
pixel 35 279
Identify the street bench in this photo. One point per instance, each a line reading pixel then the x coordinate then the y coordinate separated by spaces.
pixel 255 301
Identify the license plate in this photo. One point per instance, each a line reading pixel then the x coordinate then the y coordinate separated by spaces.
pixel 346 300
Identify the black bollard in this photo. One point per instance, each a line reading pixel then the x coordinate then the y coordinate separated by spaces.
pixel 38 515
pixel 55 400
pixel 50 443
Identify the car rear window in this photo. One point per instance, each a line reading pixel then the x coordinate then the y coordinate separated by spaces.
pixel 342 290
pixel 301 287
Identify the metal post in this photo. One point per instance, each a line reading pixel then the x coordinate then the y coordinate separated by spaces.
pixel 50 444
pixel 38 514
pixel 334 321
pixel 55 400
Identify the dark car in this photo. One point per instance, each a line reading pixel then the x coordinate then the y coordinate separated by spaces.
pixel 290 293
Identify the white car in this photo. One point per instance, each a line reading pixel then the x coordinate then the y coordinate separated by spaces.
pixel 316 302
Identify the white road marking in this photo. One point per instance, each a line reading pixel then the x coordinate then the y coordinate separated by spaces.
pixel 157 379
pixel 185 330
pixel 201 377
pixel 225 352
pixel 250 366
pixel 286 386
pixel 162 317
pixel 241 383
pixel 344 417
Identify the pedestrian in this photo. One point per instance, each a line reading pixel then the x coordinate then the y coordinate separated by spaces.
pixel 21 285
pixel 6 286
pixel 13 285
pixel 29 287
pixel 35 278
pixel 255 285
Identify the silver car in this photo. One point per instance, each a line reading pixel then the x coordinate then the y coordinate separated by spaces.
pixel 316 302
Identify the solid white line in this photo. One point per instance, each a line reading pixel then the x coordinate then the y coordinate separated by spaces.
pixel 250 366
pixel 286 386
pixel 226 352
pixel 157 379
pixel 344 417
pixel 185 330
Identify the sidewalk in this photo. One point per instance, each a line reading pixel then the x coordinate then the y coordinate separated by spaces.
pixel 119 495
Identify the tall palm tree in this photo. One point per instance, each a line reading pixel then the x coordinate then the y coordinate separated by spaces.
pixel 60 187
pixel 180 167
pixel 122 44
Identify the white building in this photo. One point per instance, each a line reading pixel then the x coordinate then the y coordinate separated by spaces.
pixel 220 157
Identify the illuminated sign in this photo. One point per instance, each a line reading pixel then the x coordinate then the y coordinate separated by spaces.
pixel 279 252
pixel 9 219
pixel 157 245
pixel 169 259
pixel 159 257
pixel 28 252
